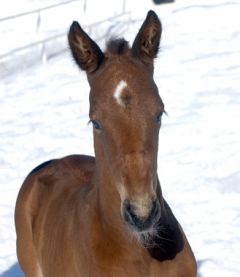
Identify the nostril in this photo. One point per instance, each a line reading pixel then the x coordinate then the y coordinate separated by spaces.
pixel 155 209
pixel 128 207
pixel 129 215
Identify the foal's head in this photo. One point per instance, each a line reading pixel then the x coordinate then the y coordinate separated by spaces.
pixel 126 111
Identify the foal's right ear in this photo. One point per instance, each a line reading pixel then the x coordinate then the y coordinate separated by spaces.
pixel 85 51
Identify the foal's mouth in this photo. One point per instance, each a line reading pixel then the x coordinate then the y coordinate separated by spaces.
pixel 141 224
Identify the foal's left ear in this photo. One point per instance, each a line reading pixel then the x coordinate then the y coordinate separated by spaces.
pixel 146 43
pixel 85 51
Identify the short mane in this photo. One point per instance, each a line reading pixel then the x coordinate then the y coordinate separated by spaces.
pixel 117 47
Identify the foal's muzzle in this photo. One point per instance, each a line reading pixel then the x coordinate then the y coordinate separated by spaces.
pixel 139 223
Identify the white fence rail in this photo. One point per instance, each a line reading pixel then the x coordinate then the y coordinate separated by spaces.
pixel 38 12
pixel 45 48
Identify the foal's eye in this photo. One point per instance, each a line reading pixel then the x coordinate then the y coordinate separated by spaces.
pixel 96 125
pixel 159 116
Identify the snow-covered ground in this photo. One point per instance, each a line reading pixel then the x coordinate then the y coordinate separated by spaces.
pixel 43 115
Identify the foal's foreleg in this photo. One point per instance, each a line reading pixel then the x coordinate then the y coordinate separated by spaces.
pixel 24 214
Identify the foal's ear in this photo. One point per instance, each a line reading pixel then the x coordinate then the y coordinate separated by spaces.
pixel 146 43
pixel 85 51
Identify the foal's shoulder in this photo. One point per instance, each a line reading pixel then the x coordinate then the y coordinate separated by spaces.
pixel 58 176
pixel 78 167
pixel 51 182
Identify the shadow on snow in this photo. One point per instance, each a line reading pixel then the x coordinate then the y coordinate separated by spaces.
pixel 15 270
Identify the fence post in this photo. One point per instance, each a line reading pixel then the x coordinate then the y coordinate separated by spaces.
pixel 38 21
pixel 129 20
pixel 43 53
pixel 124 6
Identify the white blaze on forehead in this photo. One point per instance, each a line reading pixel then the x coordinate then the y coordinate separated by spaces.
pixel 118 91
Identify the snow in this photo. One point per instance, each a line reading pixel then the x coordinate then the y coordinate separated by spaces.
pixel 44 115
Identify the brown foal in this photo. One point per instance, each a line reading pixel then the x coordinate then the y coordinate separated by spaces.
pixel 106 216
